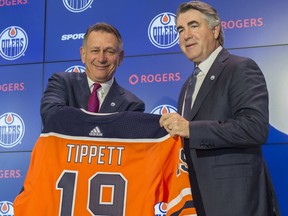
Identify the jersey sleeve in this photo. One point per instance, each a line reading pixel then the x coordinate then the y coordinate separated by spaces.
pixel 180 200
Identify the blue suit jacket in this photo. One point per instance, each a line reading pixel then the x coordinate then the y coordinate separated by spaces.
pixel 228 125
pixel 71 89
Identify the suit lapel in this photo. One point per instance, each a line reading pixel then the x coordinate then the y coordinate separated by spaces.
pixel 83 92
pixel 209 81
pixel 182 96
pixel 113 99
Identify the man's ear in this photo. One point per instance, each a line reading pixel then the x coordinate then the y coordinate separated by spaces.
pixel 82 54
pixel 216 31
pixel 121 56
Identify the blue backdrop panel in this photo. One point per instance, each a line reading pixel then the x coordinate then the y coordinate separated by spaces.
pixel 13 168
pixel 50 68
pixel 139 22
pixel 20 94
pixel 155 79
pixel 254 23
pixel 273 62
pixel 132 18
pixel 277 160
pixel 28 39
pixel 153 68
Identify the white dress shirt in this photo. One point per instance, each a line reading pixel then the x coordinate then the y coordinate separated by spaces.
pixel 204 67
pixel 103 91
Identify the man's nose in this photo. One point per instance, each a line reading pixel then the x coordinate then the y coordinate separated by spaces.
pixel 102 56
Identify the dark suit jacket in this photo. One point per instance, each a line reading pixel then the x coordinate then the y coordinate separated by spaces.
pixel 229 124
pixel 71 89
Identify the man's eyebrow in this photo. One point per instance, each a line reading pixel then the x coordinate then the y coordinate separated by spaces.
pixel 179 27
pixel 188 24
pixel 192 22
pixel 104 48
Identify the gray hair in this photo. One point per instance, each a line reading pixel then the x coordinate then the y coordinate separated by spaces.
pixel 210 14
pixel 104 27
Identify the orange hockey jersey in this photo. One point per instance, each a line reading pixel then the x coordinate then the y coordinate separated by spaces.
pixel 115 164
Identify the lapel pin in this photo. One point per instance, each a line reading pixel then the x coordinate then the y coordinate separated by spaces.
pixel 212 77
pixel 112 104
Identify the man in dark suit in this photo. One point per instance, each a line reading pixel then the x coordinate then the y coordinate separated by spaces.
pixel 226 124
pixel 102 52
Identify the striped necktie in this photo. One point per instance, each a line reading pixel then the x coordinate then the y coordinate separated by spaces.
pixel 189 92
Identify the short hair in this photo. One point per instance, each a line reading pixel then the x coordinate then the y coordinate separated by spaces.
pixel 208 11
pixel 104 27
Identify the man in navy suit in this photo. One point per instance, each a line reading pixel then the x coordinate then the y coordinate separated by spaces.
pixel 102 52
pixel 226 124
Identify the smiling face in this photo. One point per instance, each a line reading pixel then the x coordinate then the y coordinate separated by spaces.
pixel 197 40
pixel 101 54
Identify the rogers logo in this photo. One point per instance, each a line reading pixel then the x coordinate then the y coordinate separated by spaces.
pixel 243 23
pixel 152 78
pixel 4 3
pixel 12 87
pixel 10 174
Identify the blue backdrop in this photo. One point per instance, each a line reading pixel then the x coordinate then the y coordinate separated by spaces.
pixel 38 38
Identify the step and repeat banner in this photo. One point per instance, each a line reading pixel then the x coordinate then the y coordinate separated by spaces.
pixel 39 38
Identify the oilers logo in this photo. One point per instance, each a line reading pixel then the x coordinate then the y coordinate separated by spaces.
pixel 164 108
pixel 12 130
pixel 162 31
pixel 13 43
pixel 160 209
pixel 76 69
pixel 6 208
pixel 77 6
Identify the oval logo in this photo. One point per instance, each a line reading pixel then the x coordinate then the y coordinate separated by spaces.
pixel 162 31
pixel 76 69
pixel 12 130
pixel 164 108
pixel 6 208
pixel 13 42
pixel 77 6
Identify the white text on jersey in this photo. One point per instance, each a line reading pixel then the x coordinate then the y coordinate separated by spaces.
pixel 109 155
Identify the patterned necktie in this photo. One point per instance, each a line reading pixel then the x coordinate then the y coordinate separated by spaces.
pixel 93 103
pixel 189 92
